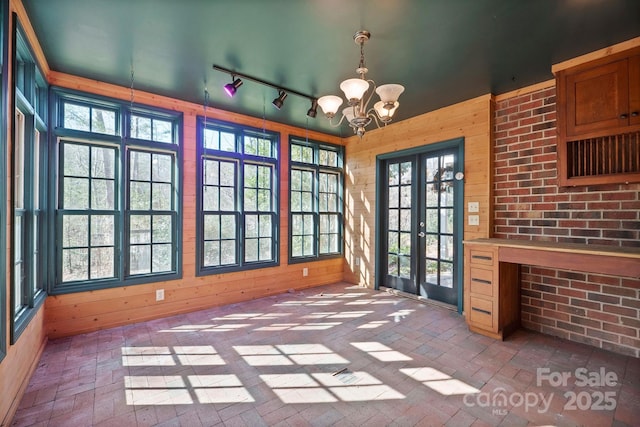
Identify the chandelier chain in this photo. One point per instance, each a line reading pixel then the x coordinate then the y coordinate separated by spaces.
pixel 131 88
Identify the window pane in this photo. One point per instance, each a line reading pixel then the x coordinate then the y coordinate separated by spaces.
pixel 140 229
pixel 140 127
pixel 228 227
pixel 162 169
pixel 251 226
pixel 140 166
pixel 102 162
pixel 296 153
pixel 250 200
pixel 76 117
pixel 75 264
pixel 212 227
pixel 227 141
pixel 102 230
pixel 76 160
pixel 266 229
pixel 162 258
pixel 251 250
pixel 251 145
pixel 102 263
pixel 265 249
pixel 227 174
pixel 139 195
pixel 162 131
pixel 76 193
pixel 228 252
pixel 211 139
pixel 161 199
pixel 211 172
pixel 162 229
pixel 103 121
pixel 210 198
pixel 227 199
pixel 211 254
pixel 140 259
pixel 75 231
pixel 102 194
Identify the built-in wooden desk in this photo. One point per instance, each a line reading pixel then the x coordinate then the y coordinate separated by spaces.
pixel 492 278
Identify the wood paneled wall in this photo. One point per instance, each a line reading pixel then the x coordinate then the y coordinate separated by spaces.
pixel 88 311
pixel 471 120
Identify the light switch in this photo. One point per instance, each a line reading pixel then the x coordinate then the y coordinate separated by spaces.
pixel 474 207
pixel 474 219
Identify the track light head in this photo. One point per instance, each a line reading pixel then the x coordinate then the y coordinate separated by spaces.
pixel 279 101
pixel 232 88
pixel 313 111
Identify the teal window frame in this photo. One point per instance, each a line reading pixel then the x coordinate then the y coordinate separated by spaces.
pixel 312 222
pixel 120 140
pixel 28 189
pixel 4 89
pixel 237 198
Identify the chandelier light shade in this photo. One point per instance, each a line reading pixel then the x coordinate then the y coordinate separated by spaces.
pixel 389 93
pixel 354 89
pixel 330 105
pixel 358 92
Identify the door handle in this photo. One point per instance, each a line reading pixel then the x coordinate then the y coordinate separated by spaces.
pixel 421 234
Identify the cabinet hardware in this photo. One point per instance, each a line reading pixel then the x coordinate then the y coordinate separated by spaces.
pixel 483 257
pixel 485 282
pixel 481 310
pixel 624 116
pixel 634 114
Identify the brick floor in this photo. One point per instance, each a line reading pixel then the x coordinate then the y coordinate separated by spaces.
pixel 334 355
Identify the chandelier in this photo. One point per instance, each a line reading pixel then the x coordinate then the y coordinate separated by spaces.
pixel 358 92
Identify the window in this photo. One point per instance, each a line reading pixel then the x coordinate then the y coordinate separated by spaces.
pixel 3 172
pixel 315 200
pixel 28 157
pixel 118 207
pixel 237 198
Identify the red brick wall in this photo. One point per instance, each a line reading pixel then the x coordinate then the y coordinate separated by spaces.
pixel 599 310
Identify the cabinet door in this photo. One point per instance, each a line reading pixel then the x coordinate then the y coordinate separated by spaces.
pixel 598 98
pixel 634 90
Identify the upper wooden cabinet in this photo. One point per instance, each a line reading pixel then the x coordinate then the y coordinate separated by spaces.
pixel 598 120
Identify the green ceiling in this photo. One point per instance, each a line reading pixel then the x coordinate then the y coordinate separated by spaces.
pixel 442 51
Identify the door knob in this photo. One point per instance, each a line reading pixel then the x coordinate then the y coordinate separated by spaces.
pixel 421 234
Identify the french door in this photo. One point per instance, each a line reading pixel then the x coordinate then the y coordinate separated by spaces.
pixel 420 220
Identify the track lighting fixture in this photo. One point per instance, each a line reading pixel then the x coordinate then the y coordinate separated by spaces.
pixel 311 112
pixel 232 88
pixel 282 95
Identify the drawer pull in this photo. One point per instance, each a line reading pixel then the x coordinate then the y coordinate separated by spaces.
pixel 481 310
pixel 484 282
pixel 483 257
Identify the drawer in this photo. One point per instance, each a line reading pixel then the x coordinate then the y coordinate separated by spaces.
pixel 481 312
pixel 481 281
pixel 480 257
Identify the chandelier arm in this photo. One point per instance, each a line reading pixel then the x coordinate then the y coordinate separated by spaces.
pixel 335 125
pixel 373 90
pixel 372 113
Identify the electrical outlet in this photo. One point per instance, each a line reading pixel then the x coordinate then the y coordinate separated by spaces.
pixel 305 272
pixel 474 207
pixel 357 261
pixel 159 294
pixel 474 219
